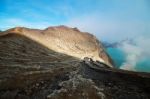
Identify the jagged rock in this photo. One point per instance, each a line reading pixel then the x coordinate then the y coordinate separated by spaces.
pixel 29 69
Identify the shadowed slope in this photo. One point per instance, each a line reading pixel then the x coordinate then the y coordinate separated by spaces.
pixel 20 56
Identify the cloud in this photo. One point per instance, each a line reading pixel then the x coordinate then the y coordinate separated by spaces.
pixel 107 28
pixel 135 53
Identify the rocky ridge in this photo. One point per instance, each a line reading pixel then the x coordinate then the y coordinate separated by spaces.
pixel 66 40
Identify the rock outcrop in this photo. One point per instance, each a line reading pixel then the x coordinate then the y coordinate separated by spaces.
pixel 31 69
pixel 66 40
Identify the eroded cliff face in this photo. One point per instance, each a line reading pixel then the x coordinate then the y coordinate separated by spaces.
pixel 29 69
pixel 66 40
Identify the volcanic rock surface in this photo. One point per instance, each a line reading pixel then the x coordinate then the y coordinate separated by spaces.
pixel 63 63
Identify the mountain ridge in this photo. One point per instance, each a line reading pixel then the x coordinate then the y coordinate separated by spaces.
pixel 66 40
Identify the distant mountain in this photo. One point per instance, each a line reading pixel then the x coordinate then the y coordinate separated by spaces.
pixel 117 44
pixel 112 45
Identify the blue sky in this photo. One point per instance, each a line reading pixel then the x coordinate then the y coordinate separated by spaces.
pixel 107 19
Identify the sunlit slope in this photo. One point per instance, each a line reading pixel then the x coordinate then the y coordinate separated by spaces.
pixel 66 40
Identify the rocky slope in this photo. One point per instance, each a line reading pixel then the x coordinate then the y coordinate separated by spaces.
pixel 34 68
pixel 66 40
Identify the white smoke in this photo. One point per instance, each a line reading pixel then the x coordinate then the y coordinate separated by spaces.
pixel 135 52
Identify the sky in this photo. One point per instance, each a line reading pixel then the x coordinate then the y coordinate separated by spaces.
pixel 108 20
